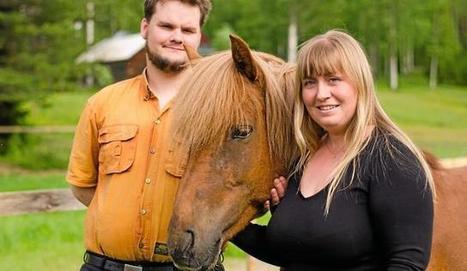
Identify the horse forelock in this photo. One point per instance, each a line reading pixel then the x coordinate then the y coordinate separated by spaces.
pixel 278 112
pixel 217 96
pixel 209 102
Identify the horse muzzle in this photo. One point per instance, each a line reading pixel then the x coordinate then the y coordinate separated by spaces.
pixel 191 253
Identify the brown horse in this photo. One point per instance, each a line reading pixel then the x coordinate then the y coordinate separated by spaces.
pixel 449 250
pixel 235 122
pixel 233 115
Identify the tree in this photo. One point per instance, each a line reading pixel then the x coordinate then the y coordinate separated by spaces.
pixel 40 40
pixel 445 48
pixel 399 36
pixel 261 22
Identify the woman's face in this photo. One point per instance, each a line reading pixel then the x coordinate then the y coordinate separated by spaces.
pixel 331 101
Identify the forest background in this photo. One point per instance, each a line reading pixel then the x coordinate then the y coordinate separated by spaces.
pixel 40 39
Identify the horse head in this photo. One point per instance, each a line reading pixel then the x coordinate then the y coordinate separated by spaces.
pixel 234 123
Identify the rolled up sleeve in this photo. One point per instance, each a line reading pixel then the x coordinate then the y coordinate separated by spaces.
pixel 84 157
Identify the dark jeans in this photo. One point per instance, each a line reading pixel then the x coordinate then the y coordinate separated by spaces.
pixel 88 267
pixel 94 262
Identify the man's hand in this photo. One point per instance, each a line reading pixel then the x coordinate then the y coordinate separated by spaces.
pixel 84 195
pixel 277 193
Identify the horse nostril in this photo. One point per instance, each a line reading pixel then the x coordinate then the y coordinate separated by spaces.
pixel 190 238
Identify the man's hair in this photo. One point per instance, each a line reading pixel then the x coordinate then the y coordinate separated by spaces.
pixel 203 5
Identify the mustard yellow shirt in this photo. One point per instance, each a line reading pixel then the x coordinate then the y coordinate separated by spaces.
pixel 121 147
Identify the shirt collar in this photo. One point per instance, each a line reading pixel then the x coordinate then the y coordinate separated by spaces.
pixel 148 93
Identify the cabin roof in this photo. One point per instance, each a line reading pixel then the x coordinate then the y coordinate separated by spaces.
pixel 120 47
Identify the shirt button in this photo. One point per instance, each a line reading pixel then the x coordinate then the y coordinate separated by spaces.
pixel 152 150
pixel 148 181
pixel 143 211
pixel 157 121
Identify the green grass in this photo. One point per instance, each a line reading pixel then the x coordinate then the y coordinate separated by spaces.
pixel 435 119
pixel 50 242
pixel 32 181
pixel 39 151
pixel 43 242
pixel 58 109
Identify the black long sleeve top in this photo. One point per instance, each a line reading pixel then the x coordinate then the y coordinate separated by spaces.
pixel 382 221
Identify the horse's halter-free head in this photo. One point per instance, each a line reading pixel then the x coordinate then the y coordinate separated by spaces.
pixel 224 186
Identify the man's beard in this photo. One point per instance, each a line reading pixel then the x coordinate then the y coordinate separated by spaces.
pixel 164 64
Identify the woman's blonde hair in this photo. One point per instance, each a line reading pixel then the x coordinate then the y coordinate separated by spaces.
pixel 338 52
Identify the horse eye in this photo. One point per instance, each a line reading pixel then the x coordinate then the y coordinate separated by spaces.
pixel 241 132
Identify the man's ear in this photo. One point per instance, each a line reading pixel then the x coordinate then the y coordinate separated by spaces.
pixel 143 28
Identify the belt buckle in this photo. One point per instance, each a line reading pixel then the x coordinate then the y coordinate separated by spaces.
pixel 129 267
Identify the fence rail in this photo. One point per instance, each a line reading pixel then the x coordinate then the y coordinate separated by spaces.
pixel 14 203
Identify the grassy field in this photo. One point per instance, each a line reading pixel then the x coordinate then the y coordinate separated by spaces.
pixel 43 242
pixel 58 109
pixel 436 120
pixel 22 181
pixel 50 242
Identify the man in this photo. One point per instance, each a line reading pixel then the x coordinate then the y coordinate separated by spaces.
pixel 118 163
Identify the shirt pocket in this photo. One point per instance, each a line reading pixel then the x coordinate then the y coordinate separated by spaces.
pixel 117 148
pixel 177 159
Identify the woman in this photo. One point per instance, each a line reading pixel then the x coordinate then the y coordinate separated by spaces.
pixel 361 195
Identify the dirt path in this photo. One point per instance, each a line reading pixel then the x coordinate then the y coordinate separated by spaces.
pixel 251 264
pixel 454 162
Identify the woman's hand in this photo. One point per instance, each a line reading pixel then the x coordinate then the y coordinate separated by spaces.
pixel 277 192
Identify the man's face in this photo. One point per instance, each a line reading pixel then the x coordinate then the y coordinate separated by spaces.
pixel 172 25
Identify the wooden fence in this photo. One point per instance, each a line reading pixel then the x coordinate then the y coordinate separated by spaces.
pixel 13 203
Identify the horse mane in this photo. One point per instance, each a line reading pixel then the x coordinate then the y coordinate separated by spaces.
pixel 432 161
pixel 215 97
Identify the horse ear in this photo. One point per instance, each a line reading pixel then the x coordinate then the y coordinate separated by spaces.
pixel 243 58
pixel 191 52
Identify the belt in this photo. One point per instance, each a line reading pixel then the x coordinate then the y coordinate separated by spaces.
pixel 117 265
